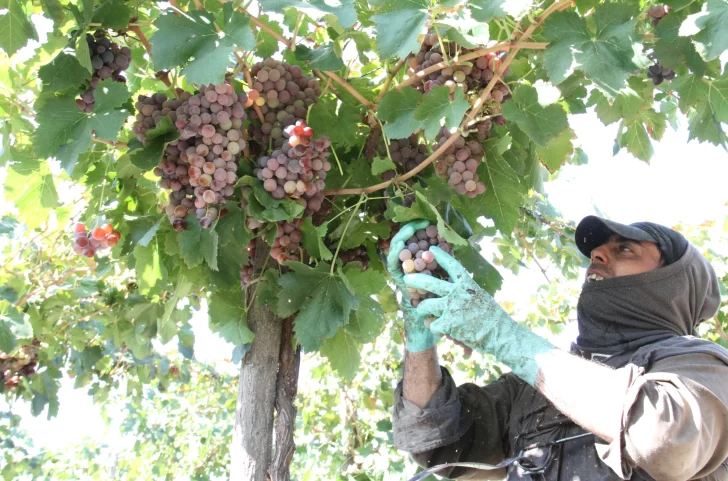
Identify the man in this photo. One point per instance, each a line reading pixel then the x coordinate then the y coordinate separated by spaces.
pixel 638 397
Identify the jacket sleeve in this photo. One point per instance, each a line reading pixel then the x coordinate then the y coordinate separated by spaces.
pixel 465 423
pixel 674 420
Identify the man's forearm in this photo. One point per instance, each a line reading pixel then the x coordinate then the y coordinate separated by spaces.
pixel 590 394
pixel 422 376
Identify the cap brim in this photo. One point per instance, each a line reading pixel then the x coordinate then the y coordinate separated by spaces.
pixel 594 231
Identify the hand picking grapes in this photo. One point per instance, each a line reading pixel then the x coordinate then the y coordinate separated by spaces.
pixel 416 256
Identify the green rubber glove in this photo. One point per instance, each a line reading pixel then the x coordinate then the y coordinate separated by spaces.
pixel 468 314
pixel 417 336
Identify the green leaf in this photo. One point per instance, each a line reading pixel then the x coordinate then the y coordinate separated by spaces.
pixel 709 29
pixel 313 240
pixel 672 50
pixel 540 123
pixel 204 53
pixel 113 14
pixel 637 141
pixel 323 301
pixel 338 122
pixel 324 57
pixel 627 105
pixel 380 165
pixel 342 351
pixel 83 55
pixel 269 45
pixel 487 10
pixel 398 32
pixel 228 317
pixel 167 323
pixel 504 194
pixel 65 132
pixel 269 208
pixel 157 140
pixel 231 227
pixel 343 9
pixel 703 126
pixel 147 238
pixel 692 90
pixel 606 56
pixel 197 244
pixel 557 151
pixel 15 27
pixel 62 73
pixel 443 229
pixel 483 272
pixel 397 109
pixel 718 97
pixel 14 326
pixel 54 9
pixel 148 267
pixel 436 110
pixel 33 195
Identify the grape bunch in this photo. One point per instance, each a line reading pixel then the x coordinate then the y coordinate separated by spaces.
pixel 469 77
pixel 416 257
pixel 659 73
pixel 460 163
pixel 357 254
pixel 200 168
pixel 108 61
pixel 150 110
pixel 287 245
pixel 22 364
pixel 87 243
pixel 657 13
pixel 283 94
pixel 298 168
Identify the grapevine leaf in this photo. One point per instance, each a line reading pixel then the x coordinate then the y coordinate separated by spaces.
pixel 33 195
pixel 418 210
pixel 54 9
pixel 626 105
pixel 336 122
pixel 555 153
pixel 231 227
pixel 672 50
pixel 14 326
pixel 83 55
pixel 443 229
pixel 228 317
pixel 208 50
pixel 197 244
pixel 15 27
pixel 365 283
pixel 606 56
pixel 709 29
pixel 343 9
pixel 167 324
pixel 637 141
pixel 313 240
pixel 540 123
pixel 269 45
pixel 266 207
pixel 483 271
pixel 324 57
pixel 397 109
pixel 113 14
pixel 62 73
pixel 342 351
pixel 718 97
pixel 487 10
pixel 397 31
pixel 692 90
pixel 147 238
pixel 148 267
pixel 504 192
pixel 703 126
pixel 436 110
pixel 324 302
pixel 368 320
pixel 380 165
pixel 158 138
pixel 65 132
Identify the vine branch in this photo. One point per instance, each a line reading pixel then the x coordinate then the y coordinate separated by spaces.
pixel 347 86
pixel 520 236
pixel 265 27
pixel 469 116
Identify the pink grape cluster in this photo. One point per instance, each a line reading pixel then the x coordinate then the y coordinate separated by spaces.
pixel 201 167
pixel 416 257
pixel 151 110
pixel 357 254
pixel 99 238
pixel 468 76
pixel 287 245
pixel 298 168
pixel 460 163
pixel 108 60
pixel 283 94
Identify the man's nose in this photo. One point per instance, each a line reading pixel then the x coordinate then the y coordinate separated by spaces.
pixel 600 255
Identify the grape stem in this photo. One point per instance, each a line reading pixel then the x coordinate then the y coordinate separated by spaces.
pixel 265 27
pixel 338 163
pixel 520 236
pixel 113 143
pixel 393 73
pixel 442 44
pixel 476 107
pixel 295 31
pixel 362 198
pixel 386 141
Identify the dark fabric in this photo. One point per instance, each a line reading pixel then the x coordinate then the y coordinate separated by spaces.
pixel 594 231
pixel 617 316
pixel 499 420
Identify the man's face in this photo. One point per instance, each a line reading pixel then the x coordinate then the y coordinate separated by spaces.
pixel 622 257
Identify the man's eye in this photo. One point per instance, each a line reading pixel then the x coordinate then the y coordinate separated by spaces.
pixel 625 248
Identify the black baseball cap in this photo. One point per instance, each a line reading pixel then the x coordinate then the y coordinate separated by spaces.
pixel 594 231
